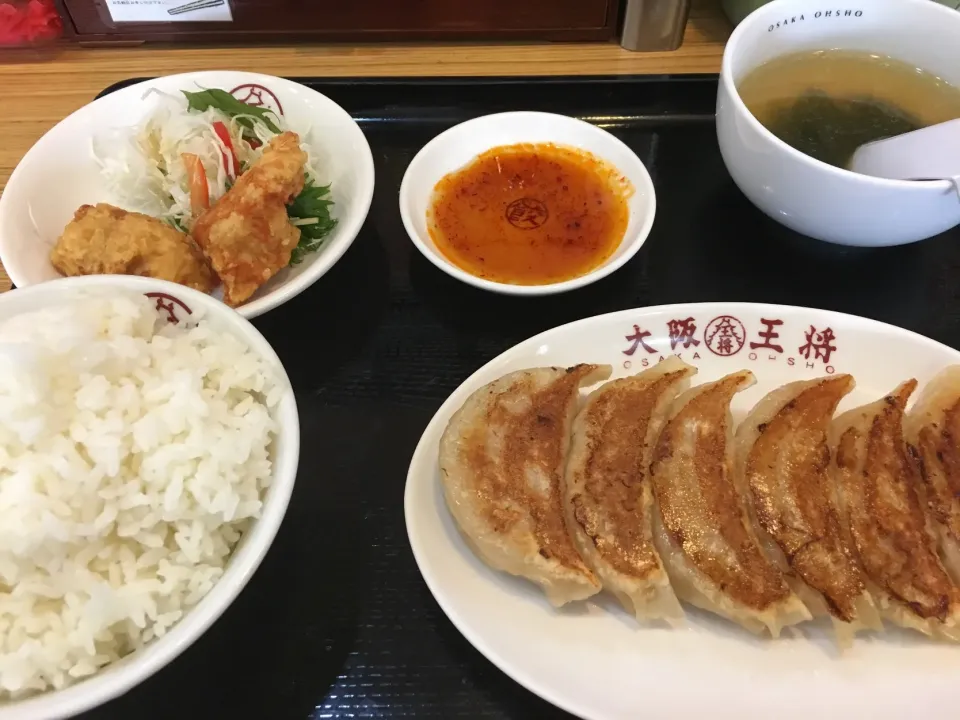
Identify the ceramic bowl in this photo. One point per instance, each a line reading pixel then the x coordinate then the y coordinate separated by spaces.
pixel 456 147
pixel 179 303
pixel 812 197
pixel 59 174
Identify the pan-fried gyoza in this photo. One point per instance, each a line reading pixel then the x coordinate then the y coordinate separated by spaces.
pixel 783 464
pixel 883 504
pixel 608 497
pixel 644 487
pixel 933 431
pixel 712 554
pixel 502 460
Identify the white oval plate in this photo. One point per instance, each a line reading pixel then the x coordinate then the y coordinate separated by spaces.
pixel 595 660
pixel 59 174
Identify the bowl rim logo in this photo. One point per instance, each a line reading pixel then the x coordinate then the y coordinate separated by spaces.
pixel 169 306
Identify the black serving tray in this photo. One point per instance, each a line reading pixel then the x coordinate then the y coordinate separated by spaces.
pixel 337 622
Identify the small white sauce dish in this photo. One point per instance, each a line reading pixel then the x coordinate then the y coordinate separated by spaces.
pixel 454 148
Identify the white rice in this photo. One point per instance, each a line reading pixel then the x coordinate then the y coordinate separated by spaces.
pixel 133 455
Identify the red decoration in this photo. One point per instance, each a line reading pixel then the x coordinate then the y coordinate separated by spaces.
pixel 258 96
pixel 725 335
pixel 819 344
pixel 768 335
pixel 169 304
pixel 26 22
pixel 681 333
pixel 638 340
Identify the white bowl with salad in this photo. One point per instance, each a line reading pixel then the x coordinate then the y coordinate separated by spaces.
pixel 172 149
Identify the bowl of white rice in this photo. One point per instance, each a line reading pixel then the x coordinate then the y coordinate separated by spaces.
pixel 149 442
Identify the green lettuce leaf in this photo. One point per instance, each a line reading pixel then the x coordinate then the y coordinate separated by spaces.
pixel 228 104
pixel 313 205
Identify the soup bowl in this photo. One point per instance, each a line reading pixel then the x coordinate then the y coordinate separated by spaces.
pixel 804 194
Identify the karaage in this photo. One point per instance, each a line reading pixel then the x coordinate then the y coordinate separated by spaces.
pixel 247 236
pixel 105 240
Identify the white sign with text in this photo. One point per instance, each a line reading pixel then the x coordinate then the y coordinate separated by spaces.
pixel 169 10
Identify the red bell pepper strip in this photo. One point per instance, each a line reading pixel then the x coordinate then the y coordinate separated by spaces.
pixel 230 162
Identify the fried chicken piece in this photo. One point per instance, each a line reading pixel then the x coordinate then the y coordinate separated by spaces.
pixel 247 236
pixel 105 240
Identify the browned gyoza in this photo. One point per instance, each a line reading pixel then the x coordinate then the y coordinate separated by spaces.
pixel 502 460
pixel 880 494
pixel 933 430
pixel 783 464
pixel 711 552
pixel 609 500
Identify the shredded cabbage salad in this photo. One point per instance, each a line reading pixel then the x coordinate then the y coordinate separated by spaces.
pixel 190 150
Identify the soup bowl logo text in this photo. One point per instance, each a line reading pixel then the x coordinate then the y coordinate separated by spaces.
pixel 816 15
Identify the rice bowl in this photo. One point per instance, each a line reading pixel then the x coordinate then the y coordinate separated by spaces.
pixel 144 471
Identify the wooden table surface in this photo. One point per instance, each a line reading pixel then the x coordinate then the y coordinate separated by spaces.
pixel 40 88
